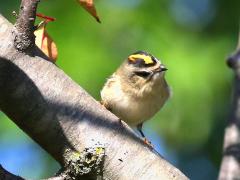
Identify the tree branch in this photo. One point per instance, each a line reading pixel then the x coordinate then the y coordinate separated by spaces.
pixel 5 175
pixel 86 139
pixel 230 166
pixel 24 27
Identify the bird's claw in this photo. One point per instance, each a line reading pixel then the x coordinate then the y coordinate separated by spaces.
pixel 147 142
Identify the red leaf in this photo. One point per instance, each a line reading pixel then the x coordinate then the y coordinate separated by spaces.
pixel 46 18
pixel 89 6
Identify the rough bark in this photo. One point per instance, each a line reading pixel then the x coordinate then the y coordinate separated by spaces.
pixel 230 166
pixel 86 139
pixel 24 37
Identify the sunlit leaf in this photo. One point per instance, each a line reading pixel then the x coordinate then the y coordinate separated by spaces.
pixel 43 40
pixel 89 6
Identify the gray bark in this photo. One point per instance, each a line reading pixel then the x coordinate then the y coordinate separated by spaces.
pixel 230 166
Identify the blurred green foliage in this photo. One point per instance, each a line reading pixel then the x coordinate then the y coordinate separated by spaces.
pixel 193 39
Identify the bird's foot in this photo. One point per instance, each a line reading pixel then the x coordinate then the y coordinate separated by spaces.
pixel 120 121
pixel 147 142
pixel 105 105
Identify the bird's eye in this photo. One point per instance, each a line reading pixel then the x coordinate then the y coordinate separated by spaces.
pixel 143 74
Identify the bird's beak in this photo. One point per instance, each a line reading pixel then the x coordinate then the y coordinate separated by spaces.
pixel 163 68
pixel 160 69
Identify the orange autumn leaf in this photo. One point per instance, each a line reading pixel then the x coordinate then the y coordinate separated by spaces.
pixel 89 6
pixel 45 42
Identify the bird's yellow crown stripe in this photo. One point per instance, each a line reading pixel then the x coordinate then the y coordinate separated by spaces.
pixel 147 59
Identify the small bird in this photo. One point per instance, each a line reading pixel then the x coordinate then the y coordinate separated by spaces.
pixel 137 90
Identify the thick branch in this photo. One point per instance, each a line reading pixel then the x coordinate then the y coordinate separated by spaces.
pixel 68 123
pixel 5 175
pixel 24 37
pixel 230 167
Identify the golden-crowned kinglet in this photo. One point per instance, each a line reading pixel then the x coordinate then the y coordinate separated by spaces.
pixel 137 90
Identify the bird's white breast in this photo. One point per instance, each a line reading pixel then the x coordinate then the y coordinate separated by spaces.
pixel 131 109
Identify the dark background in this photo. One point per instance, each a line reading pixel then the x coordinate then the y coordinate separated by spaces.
pixel 193 38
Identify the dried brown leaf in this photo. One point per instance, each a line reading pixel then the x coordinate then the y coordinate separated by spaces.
pixel 45 42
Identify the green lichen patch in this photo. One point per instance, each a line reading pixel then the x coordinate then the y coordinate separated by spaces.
pixel 87 164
